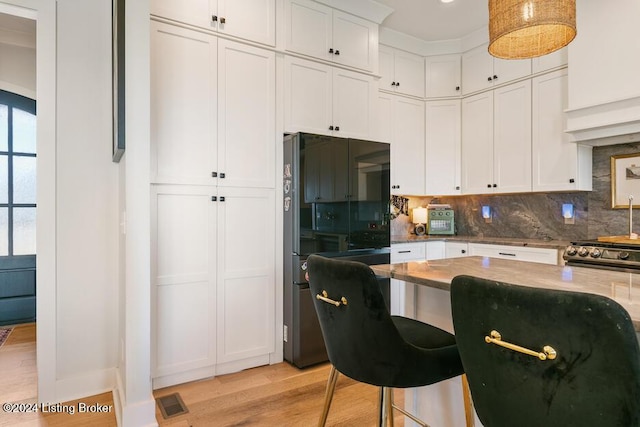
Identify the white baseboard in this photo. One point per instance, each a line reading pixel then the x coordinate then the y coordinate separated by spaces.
pixel 210 371
pixel 133 415
pixel 88 384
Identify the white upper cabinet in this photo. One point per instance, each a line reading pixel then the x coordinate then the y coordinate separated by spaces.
pixel 325 100
pixel 442 147
pixel 558 163
pixel 246 116
pixel 204 92
pixel 482 71
pixel 477 143
pixel 247 19
pixel 401 72
pixel 321 32
pixel 401 123
pixel 557 59
pixel 443 76
pixel 496 140
pixel 512 137
pixel 184 110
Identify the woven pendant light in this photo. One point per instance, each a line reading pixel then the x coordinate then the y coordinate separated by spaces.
pixel 520 29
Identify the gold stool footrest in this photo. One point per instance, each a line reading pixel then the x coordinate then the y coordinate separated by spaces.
pixel 325 297
pixel 547 352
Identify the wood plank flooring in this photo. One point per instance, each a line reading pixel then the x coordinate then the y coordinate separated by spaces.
pixel 276 395
pixel 18 384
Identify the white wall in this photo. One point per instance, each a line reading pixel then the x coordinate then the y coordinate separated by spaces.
pixel 77 291
pixel 92 279
pixel 134 373
pixel 18 70
pixel 86 202
pixel 605 55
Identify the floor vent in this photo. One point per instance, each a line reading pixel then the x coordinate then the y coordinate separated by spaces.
pixel 171 405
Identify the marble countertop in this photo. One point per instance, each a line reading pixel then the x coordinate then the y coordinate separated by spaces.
pixel 620 286
pixel 533 243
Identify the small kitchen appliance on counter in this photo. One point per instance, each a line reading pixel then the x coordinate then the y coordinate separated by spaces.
pixel 440 219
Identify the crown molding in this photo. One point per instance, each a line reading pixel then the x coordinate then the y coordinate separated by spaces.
pixel 367 9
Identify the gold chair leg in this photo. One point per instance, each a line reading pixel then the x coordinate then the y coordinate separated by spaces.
pixel 328 395
pixel 468 404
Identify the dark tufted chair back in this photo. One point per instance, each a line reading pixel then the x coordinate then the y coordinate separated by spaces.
pixel 593 381
pixel 363 340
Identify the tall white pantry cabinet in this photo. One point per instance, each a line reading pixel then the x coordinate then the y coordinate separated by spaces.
pixel 213 204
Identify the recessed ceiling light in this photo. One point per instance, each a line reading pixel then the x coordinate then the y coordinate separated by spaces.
pixel 446 1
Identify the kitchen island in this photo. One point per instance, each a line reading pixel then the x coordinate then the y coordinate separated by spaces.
pixel 441 404
pixel 622 287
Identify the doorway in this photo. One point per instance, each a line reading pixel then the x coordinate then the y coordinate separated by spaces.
pixel 17 209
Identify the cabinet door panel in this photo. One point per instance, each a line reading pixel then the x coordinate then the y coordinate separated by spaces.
pixel 249 19
pixel 512 138
pixel 195 12
pixel 510 69
pixel 357 41
pixel 442 142
pixel 308 27
pixel 353 96
pixel 183 266
pixel 443 76
pixel 477 67
pixel 407 150
pixel 246 279
pixel 456 249
pixel 554 156
pixel 246 115
pixel 183 105
pixel 552 60
pixel 386 68
pixel 409 73
pixel 307 93
pixel 477 143
pixel 384 124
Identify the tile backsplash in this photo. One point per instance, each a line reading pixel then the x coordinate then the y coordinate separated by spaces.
pixel 539 215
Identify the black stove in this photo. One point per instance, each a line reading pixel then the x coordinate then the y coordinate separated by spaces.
pixel 596 254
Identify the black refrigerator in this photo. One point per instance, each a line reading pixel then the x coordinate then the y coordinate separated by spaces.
pixel 336 204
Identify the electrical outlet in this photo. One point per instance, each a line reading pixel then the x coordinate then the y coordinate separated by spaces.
pixel 285 333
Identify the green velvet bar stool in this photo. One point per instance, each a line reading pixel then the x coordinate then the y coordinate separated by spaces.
pixel 366 343
pixel 540 357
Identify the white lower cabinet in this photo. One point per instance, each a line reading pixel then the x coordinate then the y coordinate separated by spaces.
pixel 404 252
pixel 435 250
pixel 516 253
pixel 456 249
pixel 212 299
pixel 402 293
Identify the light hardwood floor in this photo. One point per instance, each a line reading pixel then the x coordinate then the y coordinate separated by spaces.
pixel 276 395
pixel 18 385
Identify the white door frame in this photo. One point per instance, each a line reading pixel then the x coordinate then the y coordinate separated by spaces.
pixel 44 12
